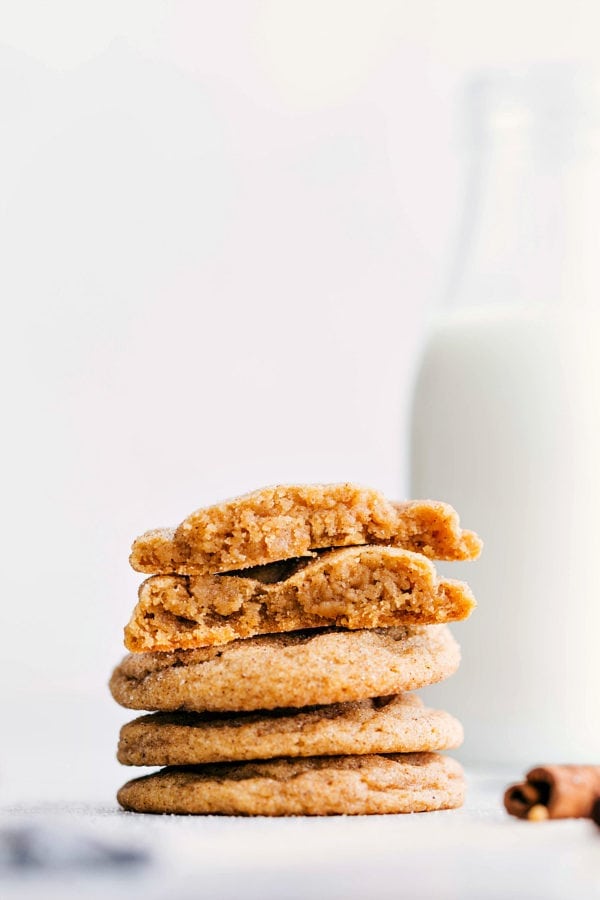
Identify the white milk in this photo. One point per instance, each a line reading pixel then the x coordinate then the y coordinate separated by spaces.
pixel 506 427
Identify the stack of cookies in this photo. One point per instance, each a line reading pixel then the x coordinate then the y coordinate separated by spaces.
pixel 275 643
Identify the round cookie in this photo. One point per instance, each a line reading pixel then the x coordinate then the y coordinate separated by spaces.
pixel 319 786
pixel 288 670
pixel 397 724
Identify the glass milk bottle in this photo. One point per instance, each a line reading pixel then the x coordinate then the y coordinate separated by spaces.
pixel 506 421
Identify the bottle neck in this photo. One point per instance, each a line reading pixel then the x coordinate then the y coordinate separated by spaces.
pixel 531 228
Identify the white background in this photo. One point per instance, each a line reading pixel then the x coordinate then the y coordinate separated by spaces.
pixel 222 228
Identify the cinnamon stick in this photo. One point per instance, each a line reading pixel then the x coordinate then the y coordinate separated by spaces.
pixel 555 792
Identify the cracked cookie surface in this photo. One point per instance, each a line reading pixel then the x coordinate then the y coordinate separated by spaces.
pixel 288 521
pixel 396 724
pixel 321 786
pixel 288 670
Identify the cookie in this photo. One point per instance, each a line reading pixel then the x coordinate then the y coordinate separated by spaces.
pixel 318 786
pixel 397 724
pixel 292 520
pixel 357 587
pixel 297 669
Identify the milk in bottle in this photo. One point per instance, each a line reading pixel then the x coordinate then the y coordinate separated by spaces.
pixel 506 421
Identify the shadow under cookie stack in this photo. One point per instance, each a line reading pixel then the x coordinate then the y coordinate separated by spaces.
pixel 276 644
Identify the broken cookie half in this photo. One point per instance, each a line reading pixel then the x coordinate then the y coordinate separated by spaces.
pixel 288 521
pixel 355 587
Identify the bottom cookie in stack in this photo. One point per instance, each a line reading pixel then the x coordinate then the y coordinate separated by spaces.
pixel 313 786
pixel 252 740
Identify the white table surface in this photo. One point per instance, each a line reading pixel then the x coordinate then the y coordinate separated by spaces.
pixel 475 852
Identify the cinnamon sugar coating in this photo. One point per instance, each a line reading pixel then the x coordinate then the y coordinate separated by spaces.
pixel 396 724
pixel 287 670
pixel 318 786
